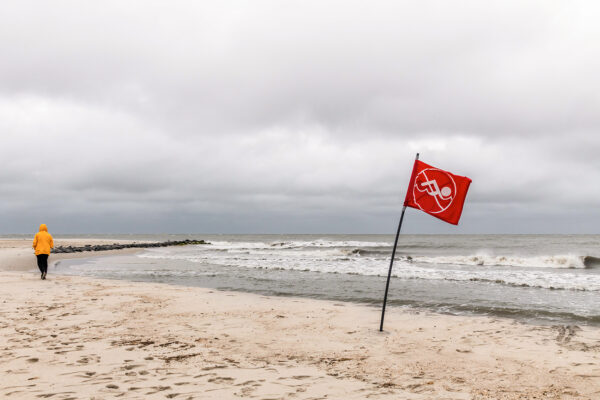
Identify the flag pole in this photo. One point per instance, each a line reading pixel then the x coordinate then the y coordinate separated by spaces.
pixel 387 284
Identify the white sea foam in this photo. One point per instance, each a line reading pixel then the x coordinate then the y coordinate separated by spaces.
pixel 525 278
pixel 563 261
pixel 483 269
pixel 361 250
pixel 295 244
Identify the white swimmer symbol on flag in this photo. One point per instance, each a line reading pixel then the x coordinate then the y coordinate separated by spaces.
pixel 429 182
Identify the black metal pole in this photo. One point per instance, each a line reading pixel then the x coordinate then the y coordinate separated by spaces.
pixel 387 284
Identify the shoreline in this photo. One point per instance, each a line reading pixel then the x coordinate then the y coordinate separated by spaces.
pixel 522 318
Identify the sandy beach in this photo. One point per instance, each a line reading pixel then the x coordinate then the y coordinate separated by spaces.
pixel 80 338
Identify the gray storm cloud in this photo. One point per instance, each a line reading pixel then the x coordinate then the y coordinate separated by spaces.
pixel 296 116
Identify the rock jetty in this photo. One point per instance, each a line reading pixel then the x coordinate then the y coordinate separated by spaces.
pixel 119 246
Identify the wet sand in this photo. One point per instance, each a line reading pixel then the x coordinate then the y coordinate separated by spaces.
pixel 80 338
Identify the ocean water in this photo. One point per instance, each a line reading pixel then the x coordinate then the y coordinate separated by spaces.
pixel 539 278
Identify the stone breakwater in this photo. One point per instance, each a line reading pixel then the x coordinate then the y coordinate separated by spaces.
pixel 119 246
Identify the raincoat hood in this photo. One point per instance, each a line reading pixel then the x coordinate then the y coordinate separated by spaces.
pixel 43 242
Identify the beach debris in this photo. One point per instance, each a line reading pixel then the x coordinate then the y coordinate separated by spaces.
pixel 566 333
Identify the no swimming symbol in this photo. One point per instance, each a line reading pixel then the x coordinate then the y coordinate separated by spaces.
pixel 434 190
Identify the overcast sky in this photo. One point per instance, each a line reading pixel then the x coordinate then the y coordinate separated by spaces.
pixel 296 116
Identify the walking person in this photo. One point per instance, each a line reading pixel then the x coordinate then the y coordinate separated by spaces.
pixel 43 244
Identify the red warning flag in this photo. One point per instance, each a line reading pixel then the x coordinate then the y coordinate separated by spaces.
pixel 437 192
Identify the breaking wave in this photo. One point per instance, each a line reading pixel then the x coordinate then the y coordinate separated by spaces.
pixel 591 262
pixel 566 261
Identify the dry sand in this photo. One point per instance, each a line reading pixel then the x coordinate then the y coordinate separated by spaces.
pixel 79 338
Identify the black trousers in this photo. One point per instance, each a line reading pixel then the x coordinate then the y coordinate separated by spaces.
pixel 42 260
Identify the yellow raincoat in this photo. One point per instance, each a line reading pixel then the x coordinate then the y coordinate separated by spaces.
pixel 43 242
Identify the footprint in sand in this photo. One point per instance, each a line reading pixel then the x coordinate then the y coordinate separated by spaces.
pixel 159 389
pixel 129 367
pixel 246 391
pixel 202 375
pixel 566 333
pixel 221 379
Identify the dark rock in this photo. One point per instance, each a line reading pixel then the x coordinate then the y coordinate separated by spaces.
pixel 117 246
